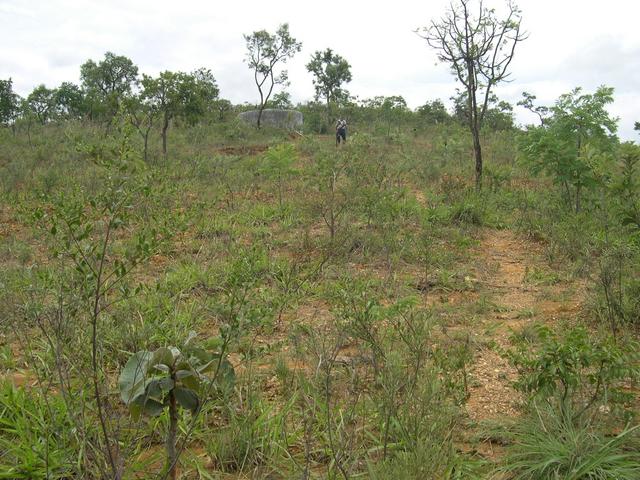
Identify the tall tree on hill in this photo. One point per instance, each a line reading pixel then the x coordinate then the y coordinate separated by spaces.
pixel 330 71
pixel 264 52
pixel 106 83
pixel 69 100
pixel 42 102
pixel 203 99
pixel 9 103
pixel 163 95
pixel 479 48
pixel 178 94
pixel 143 113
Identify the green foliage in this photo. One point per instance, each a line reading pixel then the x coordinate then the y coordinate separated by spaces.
pixel 618 304
pixel 70 101
pixel 350 353
pixel 176 94
pixel 168 378
pixel 281 100
pixel 278 163
pixel 36 437
pixel 548 444
pixel 42 103
pixel 252 437
pixel 434 113
pixel 90 273
pixel 330 72
pixel 471 210
pixel 625 187
pixel 574 144
pixel 106 83
pixel 149 379
pixel 330 182
pixel 9 102
pixel 498 114
pixel 578 369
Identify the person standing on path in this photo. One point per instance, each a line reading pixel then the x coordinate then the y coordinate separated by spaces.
pixel 341 131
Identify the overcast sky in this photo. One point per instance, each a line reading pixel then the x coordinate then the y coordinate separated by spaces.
pixel 572 43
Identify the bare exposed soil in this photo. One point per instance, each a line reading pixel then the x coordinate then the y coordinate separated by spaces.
pixel 504 260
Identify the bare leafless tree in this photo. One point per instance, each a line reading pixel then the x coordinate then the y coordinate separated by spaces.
pixel 479 48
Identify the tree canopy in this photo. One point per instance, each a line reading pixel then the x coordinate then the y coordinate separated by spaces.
pixel 330 72
pixel 107 82
pixel 578 134
pixel 9 102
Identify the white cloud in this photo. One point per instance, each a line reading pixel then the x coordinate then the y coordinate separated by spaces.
pixel 571 43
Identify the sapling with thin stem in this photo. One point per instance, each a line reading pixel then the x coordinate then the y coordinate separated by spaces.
pixel 171 378
pixel 93 274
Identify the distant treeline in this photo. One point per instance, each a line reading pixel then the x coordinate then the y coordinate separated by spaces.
pixel 115 83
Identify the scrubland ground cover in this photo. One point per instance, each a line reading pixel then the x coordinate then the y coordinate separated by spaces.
pixel 262 305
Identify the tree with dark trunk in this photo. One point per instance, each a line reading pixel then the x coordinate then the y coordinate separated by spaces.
pixel 264 52
pixel 479 48
pixel 143 114
pixel 174 94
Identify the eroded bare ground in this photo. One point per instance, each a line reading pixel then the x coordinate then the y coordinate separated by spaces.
pixel 505 262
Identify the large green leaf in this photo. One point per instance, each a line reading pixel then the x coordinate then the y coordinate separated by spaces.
pixel 163 356
pixel 188 378
pixel 134 375
pixel 148 407
pixel 152 400
pixel 199 356
pixel 187 398
pixel 157 388
pixel 153 408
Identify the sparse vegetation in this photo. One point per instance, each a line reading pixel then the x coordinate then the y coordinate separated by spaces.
pixel 262 304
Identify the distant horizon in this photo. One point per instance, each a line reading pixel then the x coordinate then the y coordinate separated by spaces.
pixel 572 44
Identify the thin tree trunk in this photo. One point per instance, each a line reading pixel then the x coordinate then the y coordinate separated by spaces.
pixel 474 126
pixel 111 455
pixel 165 127
pixel 172 458
pixel 477 151
pixel 260 114
pixel 146 144
pixel 328 113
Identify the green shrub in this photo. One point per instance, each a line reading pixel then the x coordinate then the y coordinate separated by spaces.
pixel 580 371
pixel 469 211
pixel 547 444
